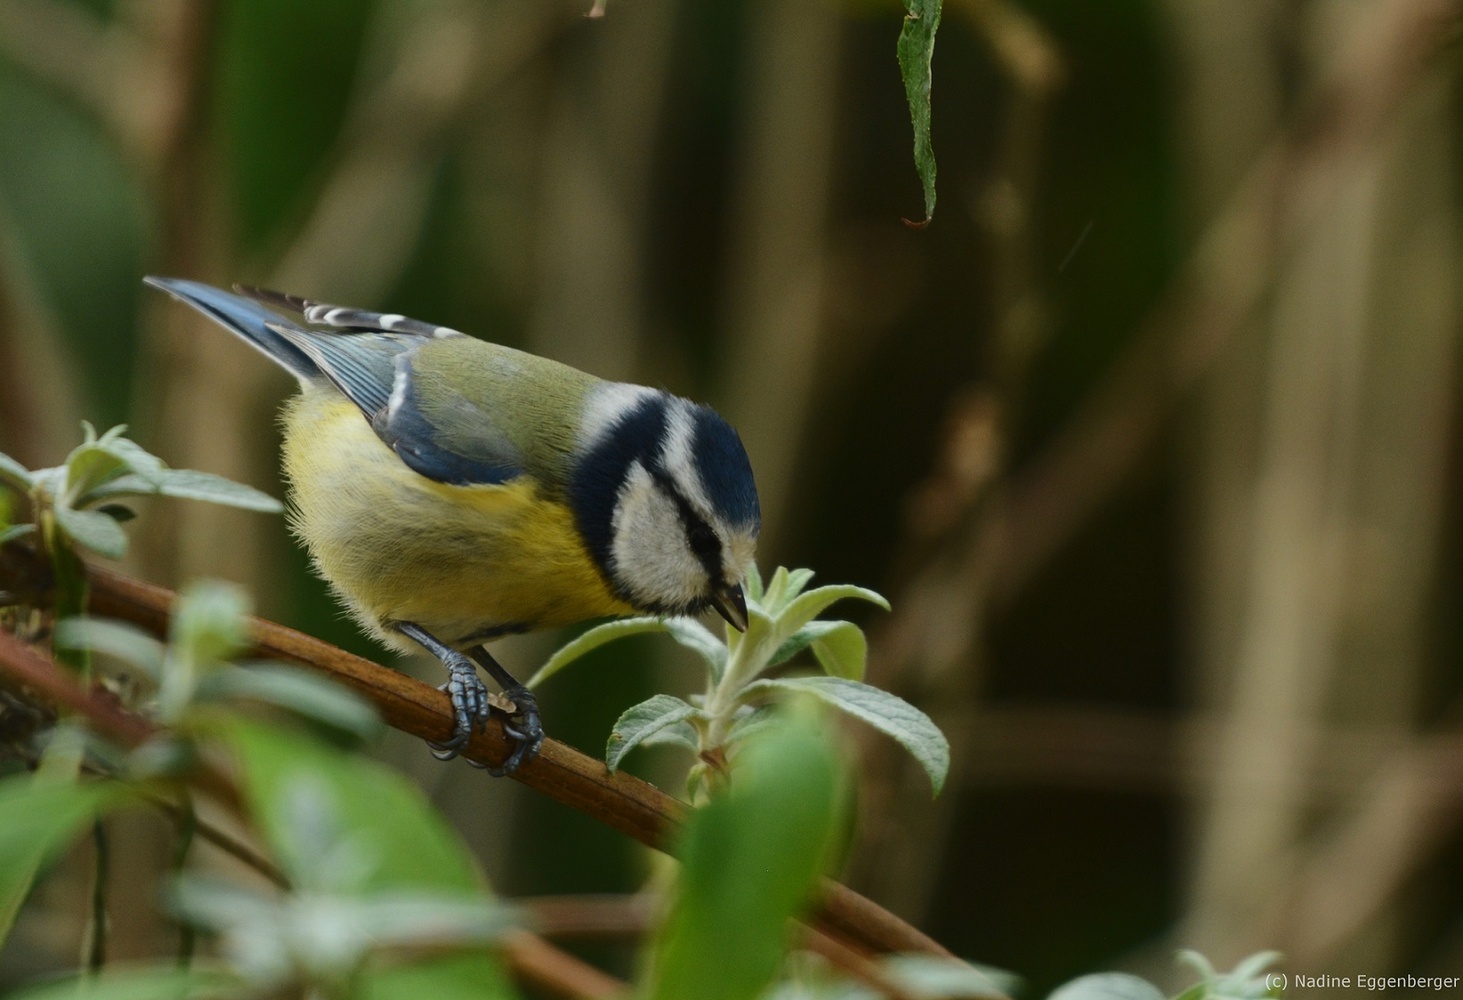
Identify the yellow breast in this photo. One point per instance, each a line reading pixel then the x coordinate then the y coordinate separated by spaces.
pixel 460 561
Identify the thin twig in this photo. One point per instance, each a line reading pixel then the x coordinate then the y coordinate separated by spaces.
pixel 598 916
pixel 538 962
pixel 854 964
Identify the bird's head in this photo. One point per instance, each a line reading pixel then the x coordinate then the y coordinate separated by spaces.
pixel 666 500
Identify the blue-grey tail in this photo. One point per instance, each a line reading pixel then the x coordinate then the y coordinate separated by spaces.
pixel 243 316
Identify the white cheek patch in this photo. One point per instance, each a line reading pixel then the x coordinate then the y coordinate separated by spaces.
pixel 650 557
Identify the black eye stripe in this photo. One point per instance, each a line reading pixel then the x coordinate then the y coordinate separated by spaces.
pixel 700 536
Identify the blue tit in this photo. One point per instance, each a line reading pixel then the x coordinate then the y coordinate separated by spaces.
pixel 453 491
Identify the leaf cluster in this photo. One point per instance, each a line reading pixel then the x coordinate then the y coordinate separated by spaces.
pixel 82 503
pixel 782 624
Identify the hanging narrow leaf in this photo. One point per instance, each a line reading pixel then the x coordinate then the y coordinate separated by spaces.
pixel 916 52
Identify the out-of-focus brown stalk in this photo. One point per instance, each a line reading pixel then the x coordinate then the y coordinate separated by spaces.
pixel 1215 293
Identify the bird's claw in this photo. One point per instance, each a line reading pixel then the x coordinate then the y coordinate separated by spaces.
pixel 469 697
pixel 528 735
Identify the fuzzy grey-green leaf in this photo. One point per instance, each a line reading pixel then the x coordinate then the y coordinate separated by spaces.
pixel 806 607
pixel 291 688
pixel 840 648
pixel 88 467
pixel 887 713
pixel 13 474
pixel 682 734
pixel 1107 986
pixel 591 640
pixel 949 978
pixel 14 531
pixel 642 721
pixel 699 639
pixel 752 585
pixel 194 485
pixel 122 640
pixel 92 530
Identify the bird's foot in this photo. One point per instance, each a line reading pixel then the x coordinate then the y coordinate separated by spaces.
pixel 469 704
pixel 523 727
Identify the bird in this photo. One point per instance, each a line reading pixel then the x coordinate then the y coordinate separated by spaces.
pixel 452 491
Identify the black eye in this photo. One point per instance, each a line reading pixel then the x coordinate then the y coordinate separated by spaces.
pixel 703 541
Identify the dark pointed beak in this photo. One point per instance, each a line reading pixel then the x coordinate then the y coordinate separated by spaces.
pixel 731 604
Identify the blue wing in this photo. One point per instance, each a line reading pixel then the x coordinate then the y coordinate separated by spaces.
pixel 368 357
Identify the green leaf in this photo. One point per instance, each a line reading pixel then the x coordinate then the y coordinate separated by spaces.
pixel 682 734
pixel 14 475
pixel 324 938
pixel 194 485
pixel 43 813
pixel 750 722
pixel 167 982
pixel 751 859
pixel 591 640
pixel 752 585
pixel 1107 986
pixel 786 584
pixel 92 530
pixel 1198 962
pixel 890 714
pixel 774 599
pixel 643 721
pixel 916 51
pixel 797 579
pixel 948 978
pixel 465 976
pixel 88 467
pixel 139 460
pixel 124 641
pixel 808 606
pixel 403 841
pixel 129 485
pixel 755 645
pixel 15 531
pixel 210 622
pixel 1254 965
pixel 298 691
pixel 840 647
pixel 700 640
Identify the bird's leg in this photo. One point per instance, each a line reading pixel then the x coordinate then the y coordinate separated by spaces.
pixel 529 735
pixel 466 689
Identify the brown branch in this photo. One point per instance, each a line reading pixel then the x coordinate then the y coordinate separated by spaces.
pixel 531 958
pixel 538 962
pixel 598 916
pixel 855 964
pixel 634 807
pixel 38 673
pixel 629 805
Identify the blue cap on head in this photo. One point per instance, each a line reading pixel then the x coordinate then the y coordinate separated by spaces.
pixel 725 470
